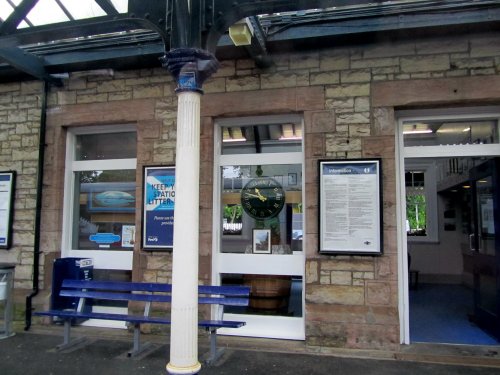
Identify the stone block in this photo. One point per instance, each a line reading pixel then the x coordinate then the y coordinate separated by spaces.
pixel 390 64
pixel 243 83
pixel 284 79
pixel 351 76
pixel 119 95
pixel 485 46
pixel 311 272
pixel 149 91
pixel 91 98
pixel 425 63
pixel 347 90
pixel 341 278
pixel 215 85
pixel 388 49
pixel 353 265
pixel 304 60
pixel 335 294
pixel 324 78
pixel 378 293
pixel 334 60
pixel 353 118
pixel 342 144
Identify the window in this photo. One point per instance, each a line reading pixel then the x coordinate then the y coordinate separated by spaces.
pixel 100 187
pixel 421 200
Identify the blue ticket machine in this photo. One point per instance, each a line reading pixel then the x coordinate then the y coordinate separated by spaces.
pixel 69 268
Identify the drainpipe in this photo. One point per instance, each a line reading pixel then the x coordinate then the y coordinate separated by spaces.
pixel 38 212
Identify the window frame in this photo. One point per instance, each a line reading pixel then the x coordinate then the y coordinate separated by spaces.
pixel 72 166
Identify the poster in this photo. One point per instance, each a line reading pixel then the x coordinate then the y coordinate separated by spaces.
pixel 7 180
pixel 350 207
pixel 159 203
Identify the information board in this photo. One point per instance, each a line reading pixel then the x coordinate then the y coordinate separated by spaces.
pixel 7 187
pixel 350 213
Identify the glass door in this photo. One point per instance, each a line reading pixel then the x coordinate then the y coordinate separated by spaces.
pixel 259 224
pixel 100 205
pixel 485 245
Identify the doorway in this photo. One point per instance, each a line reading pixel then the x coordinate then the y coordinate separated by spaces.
pixel 450 251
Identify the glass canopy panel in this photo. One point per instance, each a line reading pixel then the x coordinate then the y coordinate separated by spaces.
pixel 121 5
pixel 5 9
pixel 46 12
pixel 82 9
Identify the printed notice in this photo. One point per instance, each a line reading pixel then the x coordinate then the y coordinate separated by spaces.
pixel 159 204
pixel 6 204
pixel 350 207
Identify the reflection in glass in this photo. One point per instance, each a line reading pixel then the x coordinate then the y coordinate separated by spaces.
pixel 104 211
pixel 237 226
pixel 106 146
pixel 435 133
pixel 279 295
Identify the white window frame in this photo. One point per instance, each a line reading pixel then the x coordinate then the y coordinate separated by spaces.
pixel 278 264
pixel 121 260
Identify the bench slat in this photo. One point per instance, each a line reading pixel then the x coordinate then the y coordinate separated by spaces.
pixel 135 318
pixel 123 286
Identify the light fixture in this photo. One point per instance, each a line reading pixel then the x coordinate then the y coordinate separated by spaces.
pixel 290 132
pixel 233 134
pixel 241 32
pixel 416 129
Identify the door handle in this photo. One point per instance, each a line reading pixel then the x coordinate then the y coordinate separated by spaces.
pixel 472 241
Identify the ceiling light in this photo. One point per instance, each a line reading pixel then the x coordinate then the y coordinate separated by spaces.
pixel 241 32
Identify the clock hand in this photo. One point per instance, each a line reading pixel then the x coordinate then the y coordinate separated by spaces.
pixel 254 195
pixel 261 197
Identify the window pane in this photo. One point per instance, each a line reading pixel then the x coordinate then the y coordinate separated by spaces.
pixel 104 212
pixel 106 146
pixel 416 208
pixel 266 198
pixel 435 133
pixel 257 139
pixel 269 294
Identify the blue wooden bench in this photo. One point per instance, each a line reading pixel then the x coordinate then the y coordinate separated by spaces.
pixel 146 293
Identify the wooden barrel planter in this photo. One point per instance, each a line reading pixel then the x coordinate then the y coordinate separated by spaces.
pixel 268 292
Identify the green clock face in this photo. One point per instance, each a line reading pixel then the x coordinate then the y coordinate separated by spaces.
pixel 263 198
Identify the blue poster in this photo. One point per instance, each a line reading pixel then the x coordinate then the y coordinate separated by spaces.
pixel 159 203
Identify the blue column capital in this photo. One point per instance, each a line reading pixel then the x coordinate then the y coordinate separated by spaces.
pixel 190 67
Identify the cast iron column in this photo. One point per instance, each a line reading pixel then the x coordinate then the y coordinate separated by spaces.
pixel 190 67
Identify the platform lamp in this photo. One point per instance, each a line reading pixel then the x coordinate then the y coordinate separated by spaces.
pixel 241 32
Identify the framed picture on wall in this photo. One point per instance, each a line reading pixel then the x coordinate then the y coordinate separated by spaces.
pixel 350 206
pixel 262 241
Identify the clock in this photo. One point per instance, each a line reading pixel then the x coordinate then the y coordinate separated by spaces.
pixel 262 198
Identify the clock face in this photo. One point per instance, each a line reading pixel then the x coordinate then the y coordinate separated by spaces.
pixel 263 198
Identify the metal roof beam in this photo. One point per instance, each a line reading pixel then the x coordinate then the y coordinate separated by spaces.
pixel 75 29
pixel 107 6
pixel 16 17
pixel 27 63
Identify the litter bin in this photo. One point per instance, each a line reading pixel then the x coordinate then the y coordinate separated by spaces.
pixel 7 298
pixel 69 268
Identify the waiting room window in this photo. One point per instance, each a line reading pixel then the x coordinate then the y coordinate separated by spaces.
pixel 101 179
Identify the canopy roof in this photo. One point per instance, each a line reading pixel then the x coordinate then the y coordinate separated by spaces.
pixel 44 38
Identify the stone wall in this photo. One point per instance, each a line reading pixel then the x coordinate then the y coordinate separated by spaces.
pixel 20 105
pixel 347 96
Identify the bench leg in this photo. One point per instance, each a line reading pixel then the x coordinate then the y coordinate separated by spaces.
pixel 138 348
pixel 214 353
pixel 67 342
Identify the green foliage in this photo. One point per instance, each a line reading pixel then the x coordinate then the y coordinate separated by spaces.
pixel 416 212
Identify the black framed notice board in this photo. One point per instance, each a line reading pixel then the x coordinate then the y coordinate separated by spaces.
pixel 350 206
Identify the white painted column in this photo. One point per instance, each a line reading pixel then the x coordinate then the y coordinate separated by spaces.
pixel 184 310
